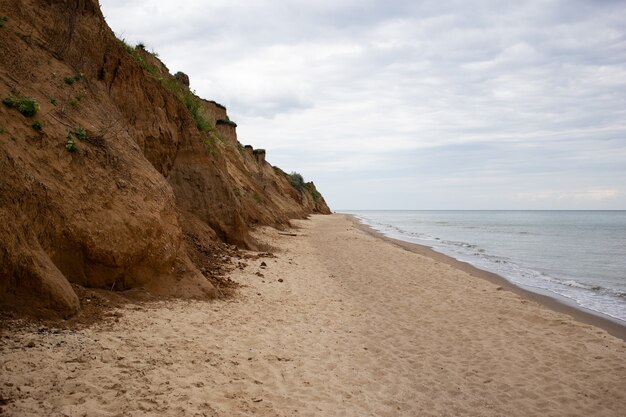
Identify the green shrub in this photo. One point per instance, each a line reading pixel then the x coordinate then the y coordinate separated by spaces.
pixel 28 106
pixel 70 145
pixel 72 80
pixel 9 101
pixel 316 195
pixel 3 21
pixel 53 101
pixel 137 56
pixel 297 181
pixel 80 133
pixel 193 104
pixel 74 102
pixel 36 125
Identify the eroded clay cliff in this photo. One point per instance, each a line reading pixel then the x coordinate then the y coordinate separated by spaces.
pixel 110 166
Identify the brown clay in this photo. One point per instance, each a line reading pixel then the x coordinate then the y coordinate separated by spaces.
pixel 115 213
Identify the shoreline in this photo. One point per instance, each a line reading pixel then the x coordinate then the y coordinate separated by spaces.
pixel 333 321
pixel 612 326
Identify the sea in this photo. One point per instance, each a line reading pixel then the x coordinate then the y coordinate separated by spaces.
pixel 577 257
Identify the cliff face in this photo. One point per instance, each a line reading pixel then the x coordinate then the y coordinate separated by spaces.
pixel 110 166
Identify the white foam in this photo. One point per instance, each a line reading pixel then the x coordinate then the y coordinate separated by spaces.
pixel 595 298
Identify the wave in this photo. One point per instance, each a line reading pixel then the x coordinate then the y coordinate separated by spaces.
pixel 608 301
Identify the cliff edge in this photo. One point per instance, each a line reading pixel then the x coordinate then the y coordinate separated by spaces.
pixel 114 174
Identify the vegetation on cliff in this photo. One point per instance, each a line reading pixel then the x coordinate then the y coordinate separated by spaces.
pixel 126 179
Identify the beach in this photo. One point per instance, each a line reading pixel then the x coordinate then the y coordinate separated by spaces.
pixel 336 321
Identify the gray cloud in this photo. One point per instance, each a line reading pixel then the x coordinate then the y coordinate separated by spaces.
pixel 404 104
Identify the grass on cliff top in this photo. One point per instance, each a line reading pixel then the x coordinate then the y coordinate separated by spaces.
pixel 296 181
pixel 137 56
pixel 191 101
pixel 187 97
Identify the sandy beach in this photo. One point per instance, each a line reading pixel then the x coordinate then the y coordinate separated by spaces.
pixel 337 323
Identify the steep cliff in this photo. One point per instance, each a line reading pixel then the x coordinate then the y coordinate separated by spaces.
pixel 112 172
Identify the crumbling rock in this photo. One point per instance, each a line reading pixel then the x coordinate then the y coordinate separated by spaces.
pixel 145 198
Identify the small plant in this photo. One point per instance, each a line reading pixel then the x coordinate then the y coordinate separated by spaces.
pixel 9 101
pixel 80 133
pixel 2 130
pixel 73 79
pixel 36 125
pixel 53 101
pixel 28 106
pixel 74 102
pixel 70 145
pixel 297 181
pixel 193 105
pixel 3 21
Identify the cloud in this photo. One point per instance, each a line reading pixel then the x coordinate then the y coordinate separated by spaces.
pixel 597 194
pixel 389 91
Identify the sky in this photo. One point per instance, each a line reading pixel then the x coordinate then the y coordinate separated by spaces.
pixel 401 104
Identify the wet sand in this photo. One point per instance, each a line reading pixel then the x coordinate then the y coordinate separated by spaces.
pixel 340 322
pixel 611 325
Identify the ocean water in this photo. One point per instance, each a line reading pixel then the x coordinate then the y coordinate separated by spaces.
pixel 576 256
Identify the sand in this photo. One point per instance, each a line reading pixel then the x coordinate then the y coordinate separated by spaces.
pixel 341 323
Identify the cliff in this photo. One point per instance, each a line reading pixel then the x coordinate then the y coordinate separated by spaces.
pixel 114 174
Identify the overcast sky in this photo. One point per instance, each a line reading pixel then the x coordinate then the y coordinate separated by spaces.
pixel 412 104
